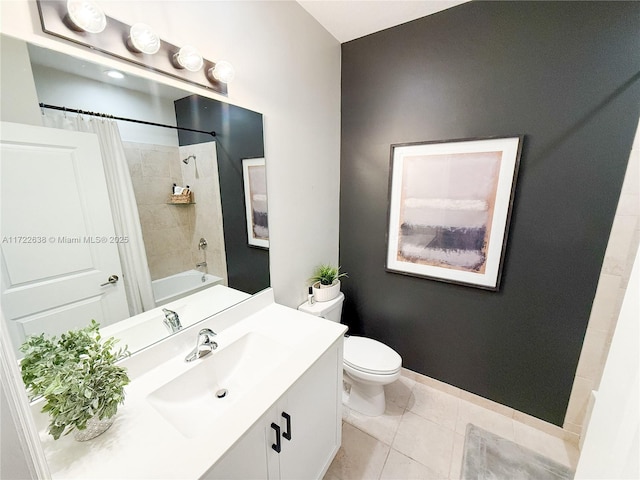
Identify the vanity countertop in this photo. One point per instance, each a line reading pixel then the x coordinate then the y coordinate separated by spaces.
pixel 143 444
pixel 141 330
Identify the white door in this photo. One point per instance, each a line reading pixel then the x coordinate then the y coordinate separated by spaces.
pixel 56 233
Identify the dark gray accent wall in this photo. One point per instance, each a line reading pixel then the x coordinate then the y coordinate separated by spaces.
pixel 239 135
pixel 566 76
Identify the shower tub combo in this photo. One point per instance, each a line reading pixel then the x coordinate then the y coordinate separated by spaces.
pixel 181 284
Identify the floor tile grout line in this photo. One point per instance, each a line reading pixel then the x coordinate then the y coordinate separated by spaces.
pixel 384 463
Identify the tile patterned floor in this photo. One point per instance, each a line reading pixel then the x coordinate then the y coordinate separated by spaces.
pixel 421 434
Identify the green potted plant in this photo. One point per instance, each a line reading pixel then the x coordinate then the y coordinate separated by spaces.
pixel 78 378
pixel 326 282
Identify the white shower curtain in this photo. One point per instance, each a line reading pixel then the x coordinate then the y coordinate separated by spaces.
pixel 133 258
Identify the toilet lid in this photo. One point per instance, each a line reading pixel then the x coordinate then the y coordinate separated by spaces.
pixel 370 356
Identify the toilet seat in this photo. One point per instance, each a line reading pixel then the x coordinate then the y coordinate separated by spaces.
pixel 370 356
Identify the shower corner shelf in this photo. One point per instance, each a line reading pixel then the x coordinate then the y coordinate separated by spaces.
pixel 181 199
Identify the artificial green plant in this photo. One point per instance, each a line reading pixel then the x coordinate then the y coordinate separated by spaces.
pixel 76 374
pixel 326 274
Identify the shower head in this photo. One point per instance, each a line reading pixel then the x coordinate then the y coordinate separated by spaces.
pixel 186 160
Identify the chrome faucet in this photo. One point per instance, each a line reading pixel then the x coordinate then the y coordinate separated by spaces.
pixel 204 345
pixel 171 320
pixel 204 275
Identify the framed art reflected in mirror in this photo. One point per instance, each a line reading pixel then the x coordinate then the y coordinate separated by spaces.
pixel 255 199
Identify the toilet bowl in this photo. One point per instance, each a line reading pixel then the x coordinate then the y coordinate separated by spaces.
pixel 368 365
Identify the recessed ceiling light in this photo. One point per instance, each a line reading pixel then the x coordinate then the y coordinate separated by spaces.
pixel 114 74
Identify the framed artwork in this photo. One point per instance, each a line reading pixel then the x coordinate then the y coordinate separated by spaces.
pixel 449 208
pixel 255 200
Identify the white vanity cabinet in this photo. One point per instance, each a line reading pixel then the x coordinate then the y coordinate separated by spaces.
pixel 283 372
pixel 298 436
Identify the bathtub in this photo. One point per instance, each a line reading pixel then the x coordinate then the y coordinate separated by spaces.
pixel 181 284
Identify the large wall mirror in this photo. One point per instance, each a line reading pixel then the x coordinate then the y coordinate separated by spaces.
pixel 184 244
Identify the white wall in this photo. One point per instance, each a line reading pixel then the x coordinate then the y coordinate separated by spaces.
pixel 16 76
pixel 66 90
pixel 288 68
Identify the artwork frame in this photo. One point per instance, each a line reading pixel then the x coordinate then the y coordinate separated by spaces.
pixel 255 200
pixel 449 209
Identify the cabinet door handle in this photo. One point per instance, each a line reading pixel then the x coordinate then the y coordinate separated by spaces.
pixel 287 432
pixel 276 446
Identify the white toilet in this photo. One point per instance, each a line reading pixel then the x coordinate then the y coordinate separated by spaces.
pixel 368 364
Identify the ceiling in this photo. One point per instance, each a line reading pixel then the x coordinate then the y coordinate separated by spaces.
pixel 350 19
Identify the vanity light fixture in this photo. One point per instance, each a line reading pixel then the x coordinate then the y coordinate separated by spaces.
pixel 189 57
pixel 142 39
pixel 83 22
pixel 223 72
pixel 86 16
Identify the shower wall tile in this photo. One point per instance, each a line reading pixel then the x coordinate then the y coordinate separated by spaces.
pixel 201 174
pixel 594 354
pixel 134 161
pixel 605 304
pixel 166 229
pixel 157 164
pixel 155 190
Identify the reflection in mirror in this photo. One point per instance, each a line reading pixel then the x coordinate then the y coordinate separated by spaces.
pixel 166 192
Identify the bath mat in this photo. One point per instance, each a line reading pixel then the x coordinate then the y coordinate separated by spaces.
pixel 490 457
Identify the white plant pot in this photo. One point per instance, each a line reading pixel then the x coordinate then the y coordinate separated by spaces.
pixel 324 293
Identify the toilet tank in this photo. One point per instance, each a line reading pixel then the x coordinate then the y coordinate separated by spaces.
pixel 331 310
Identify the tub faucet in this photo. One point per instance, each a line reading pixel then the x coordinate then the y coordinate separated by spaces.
pixel 171 320
pixel 204 345
pixel 204 275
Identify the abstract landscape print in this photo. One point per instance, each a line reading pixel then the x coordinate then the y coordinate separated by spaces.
pixel 447 209
pixel 255 190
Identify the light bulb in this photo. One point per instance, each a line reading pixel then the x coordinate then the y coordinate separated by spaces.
pixel 143 39
pixel 86 15
pixel 188 57
pixel 223 71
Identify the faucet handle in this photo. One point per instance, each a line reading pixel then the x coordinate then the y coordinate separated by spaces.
pixel 171 320
pixel 205 339
pixel 204 345
pixel 206 333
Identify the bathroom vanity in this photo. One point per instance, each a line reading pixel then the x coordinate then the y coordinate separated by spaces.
pixel 266 403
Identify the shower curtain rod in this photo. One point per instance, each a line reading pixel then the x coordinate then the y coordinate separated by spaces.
pixel 104 115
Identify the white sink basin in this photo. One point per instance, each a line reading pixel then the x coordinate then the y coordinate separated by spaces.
pixel 190 401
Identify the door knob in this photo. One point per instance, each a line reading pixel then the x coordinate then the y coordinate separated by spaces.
pixel 111 280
